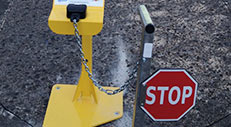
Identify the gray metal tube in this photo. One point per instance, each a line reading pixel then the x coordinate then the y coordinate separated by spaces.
pixel 144 65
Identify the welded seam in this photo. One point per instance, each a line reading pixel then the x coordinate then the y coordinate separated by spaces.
pixel 6 109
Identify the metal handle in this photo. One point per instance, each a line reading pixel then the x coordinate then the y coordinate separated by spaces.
pixel 146 20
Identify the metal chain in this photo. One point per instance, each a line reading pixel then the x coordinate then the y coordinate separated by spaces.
pixel 90 75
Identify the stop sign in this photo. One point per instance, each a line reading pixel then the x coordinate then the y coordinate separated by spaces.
pixel 170 94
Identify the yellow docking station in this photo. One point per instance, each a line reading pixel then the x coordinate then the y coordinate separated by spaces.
pixel 81 105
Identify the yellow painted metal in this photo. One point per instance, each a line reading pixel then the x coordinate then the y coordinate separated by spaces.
pixel 84 90
pixel 63 112
pixel 81 105
pixel 91 25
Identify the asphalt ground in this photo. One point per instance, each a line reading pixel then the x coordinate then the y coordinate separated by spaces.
pixel 190 34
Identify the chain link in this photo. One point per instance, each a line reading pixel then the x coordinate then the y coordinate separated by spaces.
pixel 90 75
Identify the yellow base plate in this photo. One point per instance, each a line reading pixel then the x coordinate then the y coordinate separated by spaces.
pixel 63 112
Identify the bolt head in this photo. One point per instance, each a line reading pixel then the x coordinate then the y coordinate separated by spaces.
pixel 117 113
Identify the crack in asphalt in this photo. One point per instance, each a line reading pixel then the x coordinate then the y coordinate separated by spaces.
pixel 5 15
pixel 15 115
pixel 216 121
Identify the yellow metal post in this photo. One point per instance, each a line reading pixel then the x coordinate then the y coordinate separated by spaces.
pixel 86 89
pixel 81 105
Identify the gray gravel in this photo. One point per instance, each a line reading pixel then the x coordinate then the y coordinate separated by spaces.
pixel 190 34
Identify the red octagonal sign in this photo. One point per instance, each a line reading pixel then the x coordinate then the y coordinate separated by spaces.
pixel 170 94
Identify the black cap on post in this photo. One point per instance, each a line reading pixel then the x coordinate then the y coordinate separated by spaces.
pixel 76 12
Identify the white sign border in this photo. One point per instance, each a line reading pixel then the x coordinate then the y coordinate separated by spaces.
pixel 171 70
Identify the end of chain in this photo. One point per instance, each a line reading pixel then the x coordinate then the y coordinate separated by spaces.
pixel 74 21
